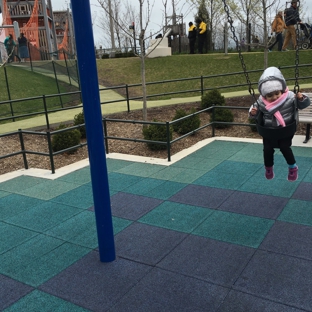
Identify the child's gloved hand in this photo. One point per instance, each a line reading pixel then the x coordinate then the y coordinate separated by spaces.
pixel 299 96
pixel 253 111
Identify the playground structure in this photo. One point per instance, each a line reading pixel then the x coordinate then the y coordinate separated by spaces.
pixel 47 33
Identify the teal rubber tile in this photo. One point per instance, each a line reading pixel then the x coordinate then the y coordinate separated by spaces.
pixel 206 164
pixel 113 165
pixel 166 190
pixel 144 186
pixel 14 204
pixel 308 177
pixel 43 216
pixel 120 224
pixel 79 177
pixel 248 156
pixel 141 169
pixel 297 211
pixel 302 151
pixel 20 183
pixel 187 175
pixel 222 180
pixel 80 197
pixel 190 163
pixel 12 236
pixel 48 189
pixel 175 216
pixel 39 259
pixel 237 167
pixel 80 230
pixel 235 228
pixel 3 193
pixel 43 302
pixel 167 173
pixel 275 187
pixel 118 181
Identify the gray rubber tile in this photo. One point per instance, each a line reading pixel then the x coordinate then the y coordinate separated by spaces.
pixel 303 192
pixel 146 244
pixel 94 285
pixel 279 278
pixel 166 291
pixel 11 291
pixel 208 259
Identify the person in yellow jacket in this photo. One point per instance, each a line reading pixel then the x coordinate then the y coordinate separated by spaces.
pixel 202 32
pixel 278 27
pixel 192 37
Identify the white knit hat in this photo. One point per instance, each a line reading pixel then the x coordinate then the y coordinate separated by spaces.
pixel 270 86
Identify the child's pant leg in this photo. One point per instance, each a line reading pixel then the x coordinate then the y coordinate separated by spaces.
pixel 285 148
pixel 268 153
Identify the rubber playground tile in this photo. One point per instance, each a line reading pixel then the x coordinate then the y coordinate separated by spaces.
pixel 190 163
pixel 12 236
pixel 289 239
pixel 11 291
pixel 80 197
pixel 43 216
pixel 39 259
pixel 167 173
pixel 274 187
pixel 187 175
pixel 202 196
pixel 95 285
pixel 255 157
pixel 168 291
pixel 217 179
pixel 176 216
pixel 48 189
pixel 149 248
pixel 300 151
pixel 143 187
pixel 234 228
pixel 297 211
pixel 20 183
pixel 279 278
pixel 166 190
pixel 140 169
pixel 237 168
pixel 113 165
pixel 40 301
pixel 80 230
pixel 14 204
pixel 239 301
pixel 118 181
pixel 303 192
pixel 119 224
pixel 256 205
pixel 3 193
pixel 308 177
pixel 132 207
pixel 207 259
pixel 79 177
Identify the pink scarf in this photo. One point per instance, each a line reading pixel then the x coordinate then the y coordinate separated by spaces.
pixel 270 106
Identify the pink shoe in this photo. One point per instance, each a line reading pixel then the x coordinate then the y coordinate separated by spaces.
pixel 269 174
pixel 292 174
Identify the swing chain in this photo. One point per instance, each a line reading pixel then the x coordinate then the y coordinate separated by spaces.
pixel 296 87
pixel 230 20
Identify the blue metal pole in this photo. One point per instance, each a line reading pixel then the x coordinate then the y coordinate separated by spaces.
pixel 93 120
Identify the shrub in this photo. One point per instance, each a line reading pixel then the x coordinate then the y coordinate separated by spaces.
pixel 66 139
pixel 156 133
pixel 79 120
pixel 105 56
pixel 187 125
pixel 213 97
pixel 252 121
pixel 223 115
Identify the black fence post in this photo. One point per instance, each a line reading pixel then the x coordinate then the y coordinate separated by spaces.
pixel 213 120
pixel 127 95
pixel 57 84
pixel 8 89
pixel 46 111
pixel 168 140
pixel 50 151
pixel 30 59
pixel 68 74
pixel 202 85
pixel 20 134
pixel 105 135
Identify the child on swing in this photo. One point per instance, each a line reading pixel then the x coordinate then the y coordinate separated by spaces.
pixel 277 104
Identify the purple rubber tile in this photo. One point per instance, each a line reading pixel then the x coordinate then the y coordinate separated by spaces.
pixel 166 291
pixel 95 285
pixel 202 196
pixel 257 205
pixel 237 301
pixel 146 244
pixel 11 291
pixel 290 239
pixel 278 277
pixel 132 207
pixel 303 191
pixel 208 259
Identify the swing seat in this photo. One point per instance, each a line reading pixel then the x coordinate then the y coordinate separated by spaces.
pixel 277 133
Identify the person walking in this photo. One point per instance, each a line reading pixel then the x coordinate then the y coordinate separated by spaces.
pixel 10 45
pixel 22 47
pixel 192 37
pixel 202 28
pixel 291 19
pixel 278 27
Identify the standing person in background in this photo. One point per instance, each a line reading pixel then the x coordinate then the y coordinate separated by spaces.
pixel 23 49
pixel 10 45
pixel 202 28
pixel 291 19
pixel 192 37
pixel 278 27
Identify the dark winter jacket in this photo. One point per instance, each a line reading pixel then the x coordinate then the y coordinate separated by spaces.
pixel 292 16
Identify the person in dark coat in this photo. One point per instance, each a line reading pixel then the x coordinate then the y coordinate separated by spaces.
pixel 192 37
pixel 22 47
